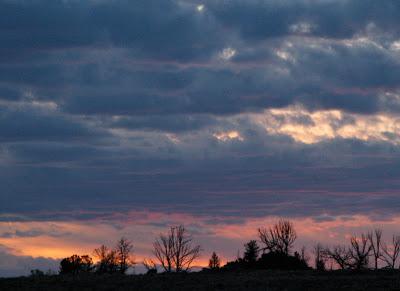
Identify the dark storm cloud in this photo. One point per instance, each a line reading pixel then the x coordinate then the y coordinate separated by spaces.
pixel 54 39
pixel 162 29
pixel 9 94
pixel 174 29
pixel 175 123
pixel 357 103
pixel 25 124
pixel 232 93
pixel 36 76
pixel 264 175
pixel 259 20
pixel 55 152
pixel 118 104
pixel 358 64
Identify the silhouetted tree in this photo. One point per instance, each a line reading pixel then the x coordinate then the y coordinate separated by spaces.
pixel 150 266
pixel 108 262
pixel 375 241
pixel 303 255
pixel 76 264
pixel 278 238
pixel 123 255
pixel 251 252
pixel 86 264
pixel 214 262
pixel 164 251
pixel 360 251
pixel 391 254
pixel 70 265
pixel 175 251
pixel 340 255
pixel 320 257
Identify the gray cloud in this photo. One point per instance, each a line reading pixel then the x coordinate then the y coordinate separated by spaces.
pixel 112 105
pixel 24 124
pixel 262 170
pixel 43 25
pixel 258 20
pixel 103 58
pixel 13 265
pixel 175 123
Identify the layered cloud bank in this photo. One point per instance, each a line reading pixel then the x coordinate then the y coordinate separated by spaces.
pixel 222 109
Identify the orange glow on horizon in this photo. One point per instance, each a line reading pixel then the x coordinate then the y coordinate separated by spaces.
pixel 81 237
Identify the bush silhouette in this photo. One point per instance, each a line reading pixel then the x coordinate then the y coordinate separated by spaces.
pixel 270 261
pixel 76 264
pixel 280 261
pixel 37 273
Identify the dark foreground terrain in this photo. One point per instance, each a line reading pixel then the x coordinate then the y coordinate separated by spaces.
pixel 251 280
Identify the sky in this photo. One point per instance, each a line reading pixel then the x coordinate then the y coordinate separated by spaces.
pixel 123 118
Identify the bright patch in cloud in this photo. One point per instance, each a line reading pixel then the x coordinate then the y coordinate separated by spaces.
pixel 302 28
pixel 200 8
pixel 173 138
pixel 227 53
pixel 228 135
pixel 312 127
pixel 284 55
pixel 395 46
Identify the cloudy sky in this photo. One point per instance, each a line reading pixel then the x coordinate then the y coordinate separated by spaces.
pixel 126 117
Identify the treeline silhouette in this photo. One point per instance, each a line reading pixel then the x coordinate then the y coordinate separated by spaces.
pixel 110 261
pixel 175 251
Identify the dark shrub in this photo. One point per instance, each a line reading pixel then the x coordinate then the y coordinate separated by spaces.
pixel 76 264
pixel 281 261
pixel 37 273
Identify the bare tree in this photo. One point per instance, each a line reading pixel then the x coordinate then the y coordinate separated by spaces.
pixel 214 262
pixel 150 266
pixel 303 255
pixel 107 259
pixel 391 254
pixel 87 263
pixel 164 251
pixel 320 257
pixel 175 251
pixel 184 250
pixel 360 250
pixel 278 238
pixel 375 240
pixel 124 257
pixel 340 255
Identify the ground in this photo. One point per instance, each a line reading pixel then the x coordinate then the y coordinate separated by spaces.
pixel 245 280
